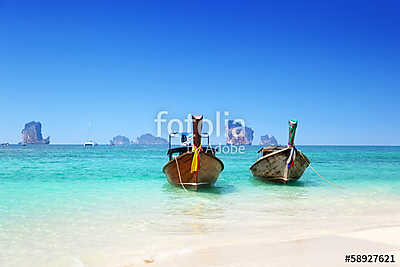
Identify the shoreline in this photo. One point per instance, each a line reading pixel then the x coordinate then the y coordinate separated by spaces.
pixel 252 145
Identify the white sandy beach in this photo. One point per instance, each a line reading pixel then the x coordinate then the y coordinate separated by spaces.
pixel 326 250
pixel 245 249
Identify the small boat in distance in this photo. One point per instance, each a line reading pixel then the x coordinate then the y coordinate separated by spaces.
pixel 191 165
pixel 89 143
pixel 5 144
pixel 279 163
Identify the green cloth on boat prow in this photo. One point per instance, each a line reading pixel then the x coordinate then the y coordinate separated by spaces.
pixel 292 131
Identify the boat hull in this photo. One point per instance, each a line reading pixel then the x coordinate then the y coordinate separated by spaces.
pixel 272 167
pixel 209 169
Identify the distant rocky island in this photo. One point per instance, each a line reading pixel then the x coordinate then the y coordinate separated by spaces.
pixel 148 139
pixel 268 140
pixel 32 134
pixel 120 140
pixel 238 135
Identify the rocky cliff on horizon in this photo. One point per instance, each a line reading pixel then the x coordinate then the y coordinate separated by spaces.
pixel 149 139
pixel 32 134
pixel 238 135
pixel 120 140
pixel 268 140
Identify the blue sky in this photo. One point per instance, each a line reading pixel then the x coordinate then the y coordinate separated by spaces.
pixel 333 65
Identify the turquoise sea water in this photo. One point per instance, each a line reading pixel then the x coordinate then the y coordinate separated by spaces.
pixel 64 199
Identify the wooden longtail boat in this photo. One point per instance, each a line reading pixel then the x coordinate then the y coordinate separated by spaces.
pixel 192 166
pixel 281 164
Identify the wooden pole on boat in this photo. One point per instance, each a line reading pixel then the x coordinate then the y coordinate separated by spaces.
pixel 292 133
pixel 197 127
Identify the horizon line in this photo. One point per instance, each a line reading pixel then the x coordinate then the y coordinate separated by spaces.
pixel 107 144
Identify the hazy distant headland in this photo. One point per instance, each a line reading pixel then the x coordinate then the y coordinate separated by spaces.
pixel 149 139
pixel 120 140
pixel 268 140
pixel 32 134
pixel 145 139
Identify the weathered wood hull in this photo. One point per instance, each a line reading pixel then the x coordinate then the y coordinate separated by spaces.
pixel 271 167
pixel 209 170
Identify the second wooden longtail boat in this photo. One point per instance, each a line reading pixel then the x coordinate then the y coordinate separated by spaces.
pixel 281 164
pixel 192 166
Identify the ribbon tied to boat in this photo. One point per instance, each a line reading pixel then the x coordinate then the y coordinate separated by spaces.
pixel 291 158
pixel 196 159
pixel 292 132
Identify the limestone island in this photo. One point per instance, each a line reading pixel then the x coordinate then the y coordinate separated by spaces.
pixel 32 134
pixel 266 140
pixel 148 139
pixel 120 140
pixel 238 135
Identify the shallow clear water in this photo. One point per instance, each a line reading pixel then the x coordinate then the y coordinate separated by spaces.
pixel 66 205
